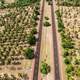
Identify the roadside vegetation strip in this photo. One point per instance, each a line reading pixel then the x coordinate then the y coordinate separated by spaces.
pixel 75 3
pixel 36 65
pixel 68 47
pixel 55 47
pixel 17 3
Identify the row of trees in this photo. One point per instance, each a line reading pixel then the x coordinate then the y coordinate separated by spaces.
pixel 68 2
pixel 31 39
pixel 68 49
pixel 17 3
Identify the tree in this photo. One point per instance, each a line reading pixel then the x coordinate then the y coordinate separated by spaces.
pixel 46 18
pixel 69 69
pixel 67 61
pixel 37 7
pixel 78 72
pixel 36 12
pixel 68 44
pixel 45 68
pixel 66 53
pixel 31 39
pixel 77 61
pixel 34 31
pixel 29 53
pixel 35 17
pixel 60 25
pixel 46 23
pixel 70 77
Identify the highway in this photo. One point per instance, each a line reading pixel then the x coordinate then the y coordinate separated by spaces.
pixel 55 46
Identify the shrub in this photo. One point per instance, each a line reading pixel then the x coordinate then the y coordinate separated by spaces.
pixel 69 69
pixel 17 3
pixel 29 53
pixel 58 14
pixel 36 12
pixel 67 44
pixel 46 23
pixel 70 77
pixel 70 3
pixel 77 61
pixel 35 23
pixel 34 31
pixel 60 25
pixel 31 39
pixel 50 3
pixel 45 68
pixel 78 72
pixel 67 61
pixel 66 53
pixel 46 18
pixel 37 7
pixel 35 17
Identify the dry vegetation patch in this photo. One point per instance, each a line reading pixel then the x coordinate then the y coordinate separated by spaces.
pixel 71 19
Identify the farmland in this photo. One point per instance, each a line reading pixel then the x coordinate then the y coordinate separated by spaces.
pixel 39 39
pixel 18 27
pixel 69 29
pixel 16 3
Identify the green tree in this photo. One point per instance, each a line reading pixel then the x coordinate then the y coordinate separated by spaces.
pixel 67 44
pixel 46 23
pixel 69 69
pixel 66 53
pixel 31 39
pixel 78 72
pixel 67 61
pixel 29 53
pixel 77 61
pixel 45 68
